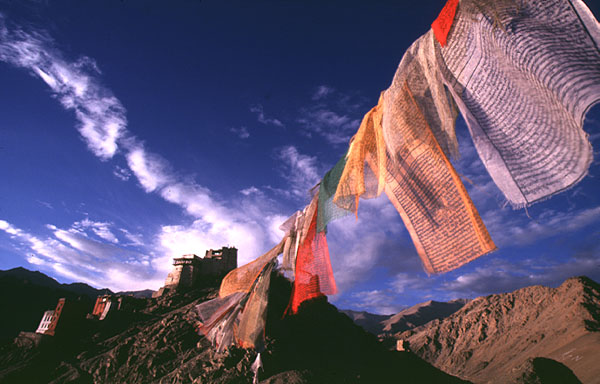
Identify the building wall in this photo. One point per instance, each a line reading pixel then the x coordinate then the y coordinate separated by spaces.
pixel 174 276
pixel 219 262
pixel 54 322
pixel 101 302
pixel 189 269
pixel 45 323
pixel 186 279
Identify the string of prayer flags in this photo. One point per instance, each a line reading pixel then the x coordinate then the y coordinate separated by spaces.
pixel 524 74
pixel 522 78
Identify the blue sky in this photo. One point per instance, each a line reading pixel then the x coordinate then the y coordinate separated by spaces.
pixel 134 131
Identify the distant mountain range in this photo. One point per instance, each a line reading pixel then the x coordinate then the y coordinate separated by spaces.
pixel 406 319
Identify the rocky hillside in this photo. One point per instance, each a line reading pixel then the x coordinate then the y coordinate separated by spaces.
pixel 491 339
pixel 158 343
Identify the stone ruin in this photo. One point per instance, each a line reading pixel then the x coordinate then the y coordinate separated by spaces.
pixel 189 270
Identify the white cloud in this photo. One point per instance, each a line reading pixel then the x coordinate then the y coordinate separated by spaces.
pixel 45 204
pixel 249 191
pixel 507 230
pixel 301 171
pixel 322 92
pixel 122 173
pixel 100 229
pixel 241 132
pixel 377 301
pixel 102 123
pixel 335 119
pixel 100 115
pixel 502 276
pixel 262 118
pixel 73 255
pixel 376 239
pixel 135 239
pixel 149 169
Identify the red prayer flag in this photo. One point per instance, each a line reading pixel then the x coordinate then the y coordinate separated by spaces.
pixel 442 25
pixel 314 276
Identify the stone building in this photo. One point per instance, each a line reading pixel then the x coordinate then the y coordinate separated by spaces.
pixel 190 269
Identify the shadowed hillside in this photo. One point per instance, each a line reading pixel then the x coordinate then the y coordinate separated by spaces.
pixel 159 343
pixel 26 295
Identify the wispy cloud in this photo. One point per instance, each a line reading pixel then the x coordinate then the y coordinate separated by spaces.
pixel 301 171
pixel 45 204
pixel 378 301
pixel 100 229
pixel 75 256
pixel 101 117
pixel 321 92
pixel 262 118
pixel 134 238
pixel 503 276
pixel 249 191
pixel 332 115
pixel 122 173
pixel 102 124
pixel 241 132
pixel 510 229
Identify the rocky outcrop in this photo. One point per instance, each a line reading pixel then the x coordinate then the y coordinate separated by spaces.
pixel 491 338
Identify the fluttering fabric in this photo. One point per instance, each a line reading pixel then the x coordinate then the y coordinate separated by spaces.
pixel 329 211
pixel 523 74
pixel 425 189
pixel 418 130
pixel 250 332
pixel 441 26
pixel 291 228
pixel 358 180
pixel 314 276
pixel 242 279
pixel 219 318
pixel 238 318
